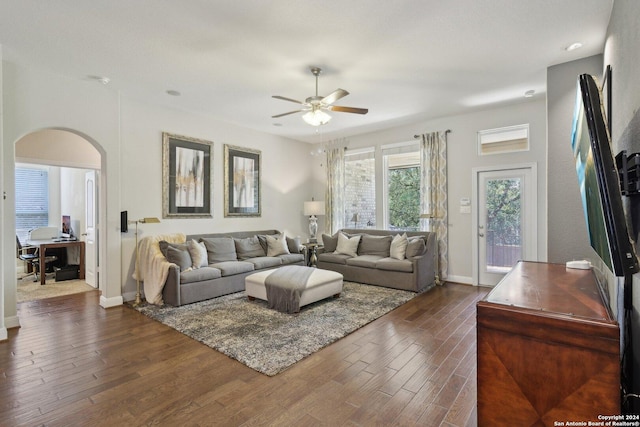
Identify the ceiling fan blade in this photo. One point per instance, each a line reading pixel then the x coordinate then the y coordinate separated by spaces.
pixel 286 114
pixel 348 109
pixel 334 96
pixel 287 99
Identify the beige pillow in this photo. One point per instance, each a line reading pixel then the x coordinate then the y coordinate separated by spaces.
pixel 347 245
pixel 198 252
pixel 277 245
pixel 399 246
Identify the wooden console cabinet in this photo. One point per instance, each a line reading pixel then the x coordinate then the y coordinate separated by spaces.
pixel 548 349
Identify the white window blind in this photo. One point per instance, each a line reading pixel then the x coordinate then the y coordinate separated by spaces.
pixel 503 140
pixel 32 200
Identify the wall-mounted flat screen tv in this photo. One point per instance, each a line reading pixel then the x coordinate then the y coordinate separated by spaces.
pixel 599 182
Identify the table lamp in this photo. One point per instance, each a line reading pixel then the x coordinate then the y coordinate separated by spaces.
pixel 311 209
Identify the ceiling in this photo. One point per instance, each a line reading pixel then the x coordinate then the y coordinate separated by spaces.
pixel 404 60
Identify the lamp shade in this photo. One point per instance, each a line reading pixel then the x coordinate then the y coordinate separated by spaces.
pixel 313 207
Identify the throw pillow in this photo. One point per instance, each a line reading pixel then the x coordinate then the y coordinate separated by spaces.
pixel 330 242
pixel 347 245
pixel 163 244
pixel 294 245
pixel 277 245
pixel 415 247
pixel 248 248
pixel 198 252
pixel 179 257
pixel 375 245
pixel 399 246
pixel 220 249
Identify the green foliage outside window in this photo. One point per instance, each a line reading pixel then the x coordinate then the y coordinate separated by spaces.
pixel 503 211
pixel 404 198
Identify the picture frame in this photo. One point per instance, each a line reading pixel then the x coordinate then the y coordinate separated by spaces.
pixel 242 183
pixel 187 177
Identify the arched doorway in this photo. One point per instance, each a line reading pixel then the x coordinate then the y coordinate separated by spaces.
pixel 72 157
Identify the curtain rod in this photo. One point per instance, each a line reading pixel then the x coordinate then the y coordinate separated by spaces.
pixel 446 132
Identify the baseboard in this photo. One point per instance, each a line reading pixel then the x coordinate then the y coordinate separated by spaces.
pixel 12 322
pixel 459 279
pixel 129 296
pixel 111 302
pixel 3 334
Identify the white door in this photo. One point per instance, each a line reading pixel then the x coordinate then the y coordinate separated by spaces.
pixel 505 221
pixel 90 234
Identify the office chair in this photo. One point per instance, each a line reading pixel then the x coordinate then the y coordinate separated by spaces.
pixel 33 258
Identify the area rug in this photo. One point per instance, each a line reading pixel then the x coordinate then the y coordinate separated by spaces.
pixel 269 341
pixel 28 290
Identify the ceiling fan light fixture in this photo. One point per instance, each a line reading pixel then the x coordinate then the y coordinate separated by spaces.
pixel 316 117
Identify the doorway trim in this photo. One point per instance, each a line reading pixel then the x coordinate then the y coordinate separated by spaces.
pixel 533 212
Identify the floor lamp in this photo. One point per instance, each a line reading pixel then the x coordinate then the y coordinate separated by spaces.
pixel 149 220
pixel 437 260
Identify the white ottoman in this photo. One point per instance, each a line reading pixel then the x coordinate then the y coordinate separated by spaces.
pixel 321 284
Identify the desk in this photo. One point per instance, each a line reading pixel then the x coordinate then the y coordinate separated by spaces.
pixel 43 245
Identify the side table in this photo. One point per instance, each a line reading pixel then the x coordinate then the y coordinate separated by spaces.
pixel 311 253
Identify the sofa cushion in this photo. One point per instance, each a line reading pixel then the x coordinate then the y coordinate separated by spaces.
pixel 179 257
pixel 294 245
pixel 277 245
pixel 398 248
pixel 393 264
pixel 333 258
pixel 330 242
pixel 163 244
pixel 229 268
pixel 204 273
pixel 265 262
pixel 416 246
pixel 375 245
pixel 368 261
pixel 347 245
pixel 248 248
pixel 291 258
pixel 198 252
pixel 220 249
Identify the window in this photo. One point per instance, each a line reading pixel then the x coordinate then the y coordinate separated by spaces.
pixel 402 186
pixel 503 140
pixel 360 188
pixel 32 200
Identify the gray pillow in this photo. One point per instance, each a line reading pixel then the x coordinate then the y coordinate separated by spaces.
pixel 416 246
pixel 180 257
pixel 248 248
pixel 294 245
pixel 164 245
pixel 220 249
pixel 375 245
pixel 330 242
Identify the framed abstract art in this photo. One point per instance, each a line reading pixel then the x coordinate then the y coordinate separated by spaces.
pixel 242 193
pixel 187 171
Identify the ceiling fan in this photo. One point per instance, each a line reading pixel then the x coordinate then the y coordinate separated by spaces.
pixel 315 107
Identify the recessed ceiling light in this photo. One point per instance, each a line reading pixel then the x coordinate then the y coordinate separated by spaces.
pixel 529 93
pixel 277 124
pixel 100 79
pixel 573 46
pixel 173 92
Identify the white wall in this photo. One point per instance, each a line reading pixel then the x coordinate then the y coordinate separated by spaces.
pixel 58 148
pixel 462 157
pixel 285 176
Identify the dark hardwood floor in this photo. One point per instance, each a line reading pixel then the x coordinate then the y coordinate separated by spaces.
pixel 73 363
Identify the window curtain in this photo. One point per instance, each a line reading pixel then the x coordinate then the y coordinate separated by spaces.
pixel 334 198
pixel 433 194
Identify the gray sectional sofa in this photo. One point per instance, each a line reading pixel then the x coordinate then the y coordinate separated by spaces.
pixel 230 257
pixel 375 262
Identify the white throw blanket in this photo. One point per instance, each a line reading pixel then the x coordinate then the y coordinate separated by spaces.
pixel 153 267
